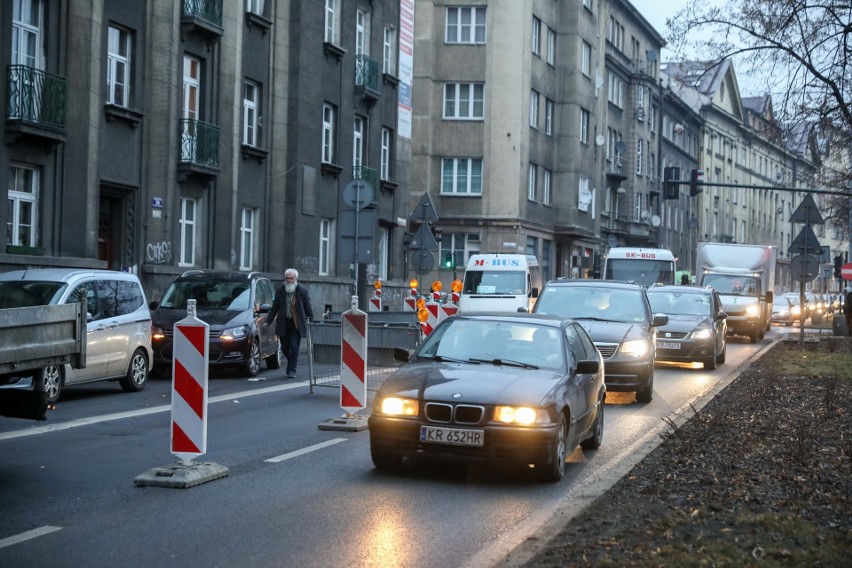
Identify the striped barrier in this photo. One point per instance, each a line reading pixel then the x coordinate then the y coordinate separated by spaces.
pixel 353 359
pixel 189 386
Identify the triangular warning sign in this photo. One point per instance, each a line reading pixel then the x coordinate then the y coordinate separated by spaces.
pixel 423 239
pixel 806 242
pixel 807 212
pixel 424 211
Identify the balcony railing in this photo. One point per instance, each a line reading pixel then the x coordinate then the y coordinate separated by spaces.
pixel 35 96
pixel 367 74
pixel 199 143
pixel 207 10
pixel 367 174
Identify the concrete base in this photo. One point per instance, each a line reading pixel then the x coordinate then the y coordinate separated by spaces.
pixel 181 475
pixel 345 423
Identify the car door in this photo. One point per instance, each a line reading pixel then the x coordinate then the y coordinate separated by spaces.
pixel 124 319
pixel 583 400
pixel 720 324
pixel 97 336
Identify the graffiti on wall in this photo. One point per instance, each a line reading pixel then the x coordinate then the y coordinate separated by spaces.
pixel 159 253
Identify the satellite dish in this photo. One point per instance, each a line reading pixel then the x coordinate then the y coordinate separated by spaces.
pixel 645 215
pixel 620 146
pixel 655 220
pixel 600 140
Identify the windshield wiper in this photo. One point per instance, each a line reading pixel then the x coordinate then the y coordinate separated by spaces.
pixel 445 359
pixel 507 362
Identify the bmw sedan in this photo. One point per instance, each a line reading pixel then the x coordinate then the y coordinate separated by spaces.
pixel 493 388
pixel 697 325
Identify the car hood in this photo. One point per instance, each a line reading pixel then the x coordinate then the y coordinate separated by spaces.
pixel 165 318
pixel 684 323
pixel 470 383
pixel 612 331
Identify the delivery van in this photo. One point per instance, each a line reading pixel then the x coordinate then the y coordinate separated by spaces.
pixel 500 283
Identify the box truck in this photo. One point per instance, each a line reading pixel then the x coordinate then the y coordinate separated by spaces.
pixel 500 283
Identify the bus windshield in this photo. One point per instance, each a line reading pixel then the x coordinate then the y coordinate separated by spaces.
pixel 494 282
pixel 643 271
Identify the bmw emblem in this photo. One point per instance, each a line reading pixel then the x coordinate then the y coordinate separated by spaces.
pixel 456 395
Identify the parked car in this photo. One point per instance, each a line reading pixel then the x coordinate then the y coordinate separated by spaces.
pixel 782 310
pixel 619 320
pixel 796 310
pixel 697 327
pixel 816 307
pixel 510 387
pixel 118 337
pixel 234 304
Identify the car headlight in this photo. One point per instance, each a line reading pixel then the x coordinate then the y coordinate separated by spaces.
pixel 523 415
pixel 795 310
pixel 234 333
pixel 157 333
pixel 752 310
pixel 394 406
pixel 701 334
pixel 638 347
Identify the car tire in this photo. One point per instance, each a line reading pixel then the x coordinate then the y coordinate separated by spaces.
pixel 646 393
pixel 709 363
pixel 385 461
pixel 555 470
pixel 49 380
pixel 274 361
pixel 252 364
pixel 593 442
pixel 723 355
pixel 137 373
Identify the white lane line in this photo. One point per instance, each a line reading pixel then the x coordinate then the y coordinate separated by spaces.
pixel 134 413
pixel 41 531
pixel 304 451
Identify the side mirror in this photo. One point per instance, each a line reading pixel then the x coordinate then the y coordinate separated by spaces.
pixel 402 355
pixel 522 310
pixel 588 367
pixel 722 315
pixel 264 308
pixel 153 305
pixel 660 320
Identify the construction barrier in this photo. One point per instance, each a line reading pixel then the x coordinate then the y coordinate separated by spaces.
pixel 353 359
pixel 189 386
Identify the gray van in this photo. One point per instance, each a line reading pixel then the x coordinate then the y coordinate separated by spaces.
pixel 118 339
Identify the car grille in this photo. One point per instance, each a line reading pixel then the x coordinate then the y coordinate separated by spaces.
pixel 457 414
pixel 607 349
pixel 671 335
pixel 171 332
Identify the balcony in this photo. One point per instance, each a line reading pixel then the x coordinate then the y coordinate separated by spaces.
pixel 204 16
pixel 367 76
pixel 615 172
pixel 367 174
pixel 199 148
pixel 35 104
pixel 643 68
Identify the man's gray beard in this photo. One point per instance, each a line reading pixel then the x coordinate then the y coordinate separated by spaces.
pixel 290 287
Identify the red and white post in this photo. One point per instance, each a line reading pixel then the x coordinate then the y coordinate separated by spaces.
pixel 189 386
pixel 353 359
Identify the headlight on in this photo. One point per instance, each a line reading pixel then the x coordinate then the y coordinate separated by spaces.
pixel 701 334
pixel 795 310
pixel 752 310
pixel 515 415
pixel 393 406
pixel 234 333
pixel 157 333
pixel 636 347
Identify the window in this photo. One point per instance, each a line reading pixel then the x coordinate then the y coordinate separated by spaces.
pixel 551 47
pixel 118 66
pixel 187 231
pixel 534 109
pixel 531 182
pixel 546 177
pixel 545 263
pixel 584 126
pixel 640 146
pixel 548 117
pixel 463 100
pixel 387 153
pixel 247 233
pixel 328 142
pixel 586 59
pixel 362 33
pixel 21 229
pixel 383 254
pixel 637 209
pixel 250 115
pixel 536 36
pixel 465 25
pixel 332 22
pixel 615 92
pixel 358 142
pixel 191 87
pixel 255 6
pixel 461 176
pixel 532 246
pixel 26 33
pixel 460 245
pixel 326 238
pixel 389 51
pixel 616 33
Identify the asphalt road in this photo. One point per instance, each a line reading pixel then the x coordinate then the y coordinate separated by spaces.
pixel 68 496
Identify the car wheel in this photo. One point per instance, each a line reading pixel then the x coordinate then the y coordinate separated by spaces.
pixel 274 361
pixel 788 324
pixel 646 393
pixel 137 373
pixel 710 363
pixel 593 442
pixel 385 461
pixel 721 358
pixel 49 381
pixel 252 365
pixel 555 470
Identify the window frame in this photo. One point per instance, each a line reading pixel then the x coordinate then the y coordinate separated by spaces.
pixel 386 154
pixel 454 95
pixel 586 58
pixel 473 27
pixel 551 47
pixel 115 60
pixel 389 50
pixel 535 36
pixel 251 114
pixel 534 102
pixel 16 199
pixel 331 30
pixel 532 181
pixel 470 188
pixel 549 107
pixel 585 120
pixel 546 186
pixel 188 231
pixel 248 219
pixel 329 146
pixel 326 246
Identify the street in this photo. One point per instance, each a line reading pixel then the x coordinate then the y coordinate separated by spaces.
pixel 295 495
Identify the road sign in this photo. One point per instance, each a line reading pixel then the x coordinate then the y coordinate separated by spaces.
pixel 366 221
pixel 804 267
pixel 423 239
pixel 846 271
pixel 358 193
pixel 805 242
pixel 807 212
pixel 422 261
pixel 424 211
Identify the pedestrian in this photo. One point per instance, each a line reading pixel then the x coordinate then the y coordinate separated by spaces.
pixel 293 304
pixel 847 310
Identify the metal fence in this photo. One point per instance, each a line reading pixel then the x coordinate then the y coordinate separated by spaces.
pixel 385 332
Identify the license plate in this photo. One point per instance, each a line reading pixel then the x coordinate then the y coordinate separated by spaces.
pixel 667 345
pixel 452 436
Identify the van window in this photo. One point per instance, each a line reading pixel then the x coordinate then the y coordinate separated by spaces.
pixel 85 290
pixel 494 282
pixel 119 297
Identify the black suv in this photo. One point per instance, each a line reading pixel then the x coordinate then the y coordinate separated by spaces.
pixel 618 318
pixel 234 304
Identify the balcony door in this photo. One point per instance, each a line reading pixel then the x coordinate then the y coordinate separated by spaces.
pixel 27 59
pixel 190 111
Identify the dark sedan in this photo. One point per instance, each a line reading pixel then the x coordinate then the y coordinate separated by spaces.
pixel 510 388
pixel 697 325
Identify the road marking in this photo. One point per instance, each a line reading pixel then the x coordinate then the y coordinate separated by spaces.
pixel 41 531
pixel 134 413
pixel 304 451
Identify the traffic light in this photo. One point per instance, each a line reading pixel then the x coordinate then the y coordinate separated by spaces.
pixel 448 260
pixel 838 264
pixel 439 234
pixel 695 177
pixel 670 189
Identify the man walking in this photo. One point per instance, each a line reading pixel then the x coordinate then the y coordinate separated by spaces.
pixel 847 310
pixel 293 304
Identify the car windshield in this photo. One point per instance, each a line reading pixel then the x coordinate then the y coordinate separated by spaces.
pixel 26 293
pixel 494 282
pixel 679 304
pixel 590 302
pixel 734 284
pixel 488 341
pixel 224 295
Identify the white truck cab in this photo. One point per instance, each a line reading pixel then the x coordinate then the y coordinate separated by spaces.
pixel 500 283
